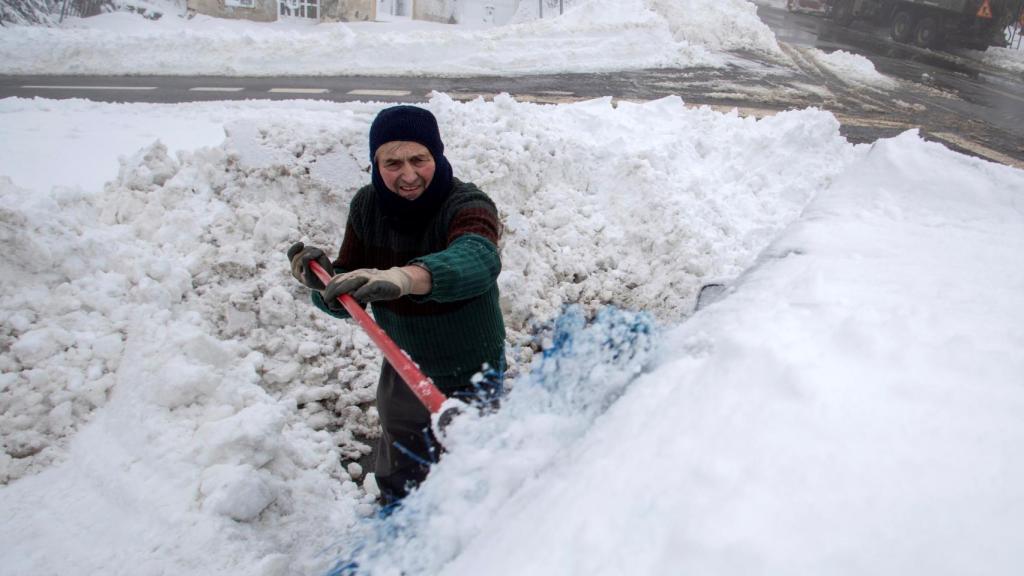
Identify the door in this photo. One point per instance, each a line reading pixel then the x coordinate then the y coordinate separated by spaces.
pixel 299 8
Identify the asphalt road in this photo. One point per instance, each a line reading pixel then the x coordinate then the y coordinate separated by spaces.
pixel 959 93
pixel 949 97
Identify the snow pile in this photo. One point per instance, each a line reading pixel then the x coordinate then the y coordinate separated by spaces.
pixel 852 68
pixel 185 437
pixel 719 25
pixel 1011 59
pixel 595 215
pixel 852 406
pixel 595 36
pixel 178 381
pixel 68 337
pixel 714 222
pixel 87 142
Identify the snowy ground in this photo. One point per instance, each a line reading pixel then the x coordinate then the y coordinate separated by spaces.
pixel 178 405
pixel 227 408
pixel 592 36
pixel 595 36
pixel 171 403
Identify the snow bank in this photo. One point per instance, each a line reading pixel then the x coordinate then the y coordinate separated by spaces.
pixel 163 370
pixel 594 36
pixel 85 143
pixel 852 68
pixel 720 25
pixel 852 406
pixel 1011 59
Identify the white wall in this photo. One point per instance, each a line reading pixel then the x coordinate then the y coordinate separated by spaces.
pixel 394 8
pixel 495 12
pixel 471 12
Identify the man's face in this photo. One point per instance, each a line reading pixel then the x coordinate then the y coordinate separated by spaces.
pixel 406 168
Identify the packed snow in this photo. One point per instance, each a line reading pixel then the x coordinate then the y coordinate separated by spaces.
pixel 1011 58
pixel 170 402
pixel 853 68
pixel 850 406
pixel 591 36
pixel 163 373
pixel 159 309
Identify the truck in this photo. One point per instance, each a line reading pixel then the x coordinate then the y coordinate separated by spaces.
pixel 975 24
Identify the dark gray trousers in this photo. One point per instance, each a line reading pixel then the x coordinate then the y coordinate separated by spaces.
pixel 407 446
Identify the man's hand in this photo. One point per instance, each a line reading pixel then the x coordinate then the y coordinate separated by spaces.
pixel 300 256
pixel 368 285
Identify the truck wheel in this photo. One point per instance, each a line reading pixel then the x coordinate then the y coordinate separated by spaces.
pixel 842 12
pixel 926 33
pixel 902 26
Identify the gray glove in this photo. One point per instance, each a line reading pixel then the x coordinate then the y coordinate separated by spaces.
pixel 300 256
pixel 368 285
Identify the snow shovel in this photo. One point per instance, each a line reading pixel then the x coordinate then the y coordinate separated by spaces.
pixel 422 386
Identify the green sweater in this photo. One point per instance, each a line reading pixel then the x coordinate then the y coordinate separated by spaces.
pixel 456 328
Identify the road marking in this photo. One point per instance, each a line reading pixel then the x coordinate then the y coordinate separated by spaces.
pixel 532 98
pixel 978 149
pixel 298 90
pixel 57 87
pixel 744 111
pixel 369 92
pixel 216 89
pixel 873 122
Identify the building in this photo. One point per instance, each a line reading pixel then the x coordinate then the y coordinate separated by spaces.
pixel 448 11
pixel 271 10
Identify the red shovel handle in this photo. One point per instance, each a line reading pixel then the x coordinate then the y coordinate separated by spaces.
pixel 418 382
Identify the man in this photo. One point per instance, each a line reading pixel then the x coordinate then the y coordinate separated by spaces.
pixel 422 247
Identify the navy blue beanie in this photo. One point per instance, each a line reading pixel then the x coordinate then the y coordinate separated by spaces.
pixel 407 123
pixel 410 124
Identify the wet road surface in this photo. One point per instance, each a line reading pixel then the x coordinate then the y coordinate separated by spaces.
pixel 952 94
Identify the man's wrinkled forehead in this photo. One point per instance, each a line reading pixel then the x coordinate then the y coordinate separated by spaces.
pixel 401 150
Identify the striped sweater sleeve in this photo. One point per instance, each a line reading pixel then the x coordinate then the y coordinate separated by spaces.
pixel 467 268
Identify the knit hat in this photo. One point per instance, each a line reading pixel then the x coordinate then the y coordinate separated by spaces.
pixel 411 124
pixel 407 123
